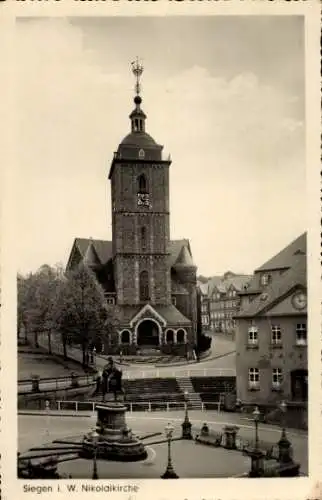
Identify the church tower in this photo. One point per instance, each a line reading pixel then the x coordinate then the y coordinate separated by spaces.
pixel 140 214
pixel 149 281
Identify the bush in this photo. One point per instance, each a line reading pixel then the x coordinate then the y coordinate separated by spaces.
pixel 204 343
pixel 173 349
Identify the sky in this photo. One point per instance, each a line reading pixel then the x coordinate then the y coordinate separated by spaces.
pixel 224 95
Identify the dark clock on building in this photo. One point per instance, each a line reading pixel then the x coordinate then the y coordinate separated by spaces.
pixel 143 200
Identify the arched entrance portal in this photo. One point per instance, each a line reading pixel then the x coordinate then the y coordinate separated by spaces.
pixel 148 333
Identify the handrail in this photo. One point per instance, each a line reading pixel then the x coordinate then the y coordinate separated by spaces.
pixel 149 406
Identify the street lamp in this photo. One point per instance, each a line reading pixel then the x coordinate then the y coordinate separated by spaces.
pixel 94 436
pixel 257 467
pixel 186 424
pixel 256 414
pixel 284 445
pixel 283 408
pixel 169 472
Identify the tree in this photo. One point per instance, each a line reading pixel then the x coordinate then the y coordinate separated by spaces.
pixel 81 312
pixel 36 297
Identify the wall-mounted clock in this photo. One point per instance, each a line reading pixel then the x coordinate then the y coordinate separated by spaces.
pixel 299 300
pixel 143 200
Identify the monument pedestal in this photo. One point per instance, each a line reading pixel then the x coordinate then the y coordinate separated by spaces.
pixel 230 436
pixel 115 440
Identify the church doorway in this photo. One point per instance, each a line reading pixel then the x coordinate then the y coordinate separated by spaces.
pixel 148 333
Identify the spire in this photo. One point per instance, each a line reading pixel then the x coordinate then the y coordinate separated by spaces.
pixel 185 258
pixel 137 116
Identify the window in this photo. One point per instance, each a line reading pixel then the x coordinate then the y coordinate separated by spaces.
pixel 253 335
pixel 234 293
pixel 276 335
pixel 144 286
pixel 301 334
pixel 143 238
pixel 174 301
pixel 142 184
pixel 125 337
pixel 180 336
pixel 277 378
pixel 253 378
pixel 218 296
pixel 141 153
pixel 265 279
pixel 110 301
pixel 170 336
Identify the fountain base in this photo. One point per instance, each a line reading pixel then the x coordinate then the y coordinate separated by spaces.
pixel 115 440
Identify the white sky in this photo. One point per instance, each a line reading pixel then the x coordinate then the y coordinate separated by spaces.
pixel 225 95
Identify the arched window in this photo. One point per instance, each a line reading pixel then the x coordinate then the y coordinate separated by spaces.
pixel 142 184
pixel 143 238
pixel 170 336
pixel 125 337
pixel 144 286
pixel 180 335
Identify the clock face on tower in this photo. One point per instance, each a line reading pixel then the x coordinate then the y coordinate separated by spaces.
pixel 143 200
pixel 299 300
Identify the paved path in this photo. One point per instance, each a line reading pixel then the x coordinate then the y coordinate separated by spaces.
pixel 222 356
pixel 207 461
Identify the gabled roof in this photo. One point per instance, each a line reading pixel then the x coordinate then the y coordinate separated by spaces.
pixel 103 249
pixel 277 290
pixel 212 283
pixel 285 258
pixel 91 257
pixel 203 287
pixel 238 282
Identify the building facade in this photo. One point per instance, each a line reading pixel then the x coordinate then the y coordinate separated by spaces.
pixel 149 280
pixel 224 301
pixel 271 335
pixel 204 305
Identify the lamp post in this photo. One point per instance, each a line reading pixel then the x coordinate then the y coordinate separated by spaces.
pixel 284 445
pixel 283 408
pixel 169 472
pixel 186 424
pixel 257 467
pixel 47 408
pixel 256 414
pixel 95 437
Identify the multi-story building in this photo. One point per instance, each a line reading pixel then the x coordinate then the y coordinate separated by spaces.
pixel 204 304
pixel 224 300
pixel 271 334
pixel 149 280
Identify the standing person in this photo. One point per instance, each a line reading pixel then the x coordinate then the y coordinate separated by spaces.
pixel 98 381
pixel 121 357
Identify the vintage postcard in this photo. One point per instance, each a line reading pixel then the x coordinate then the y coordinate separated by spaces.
pixel 160 275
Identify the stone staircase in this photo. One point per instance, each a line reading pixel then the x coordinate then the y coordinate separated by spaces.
pixel 193 398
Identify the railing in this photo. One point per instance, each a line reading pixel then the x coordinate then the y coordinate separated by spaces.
pixel 178 373
pixel 45 384
pixel 147 406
